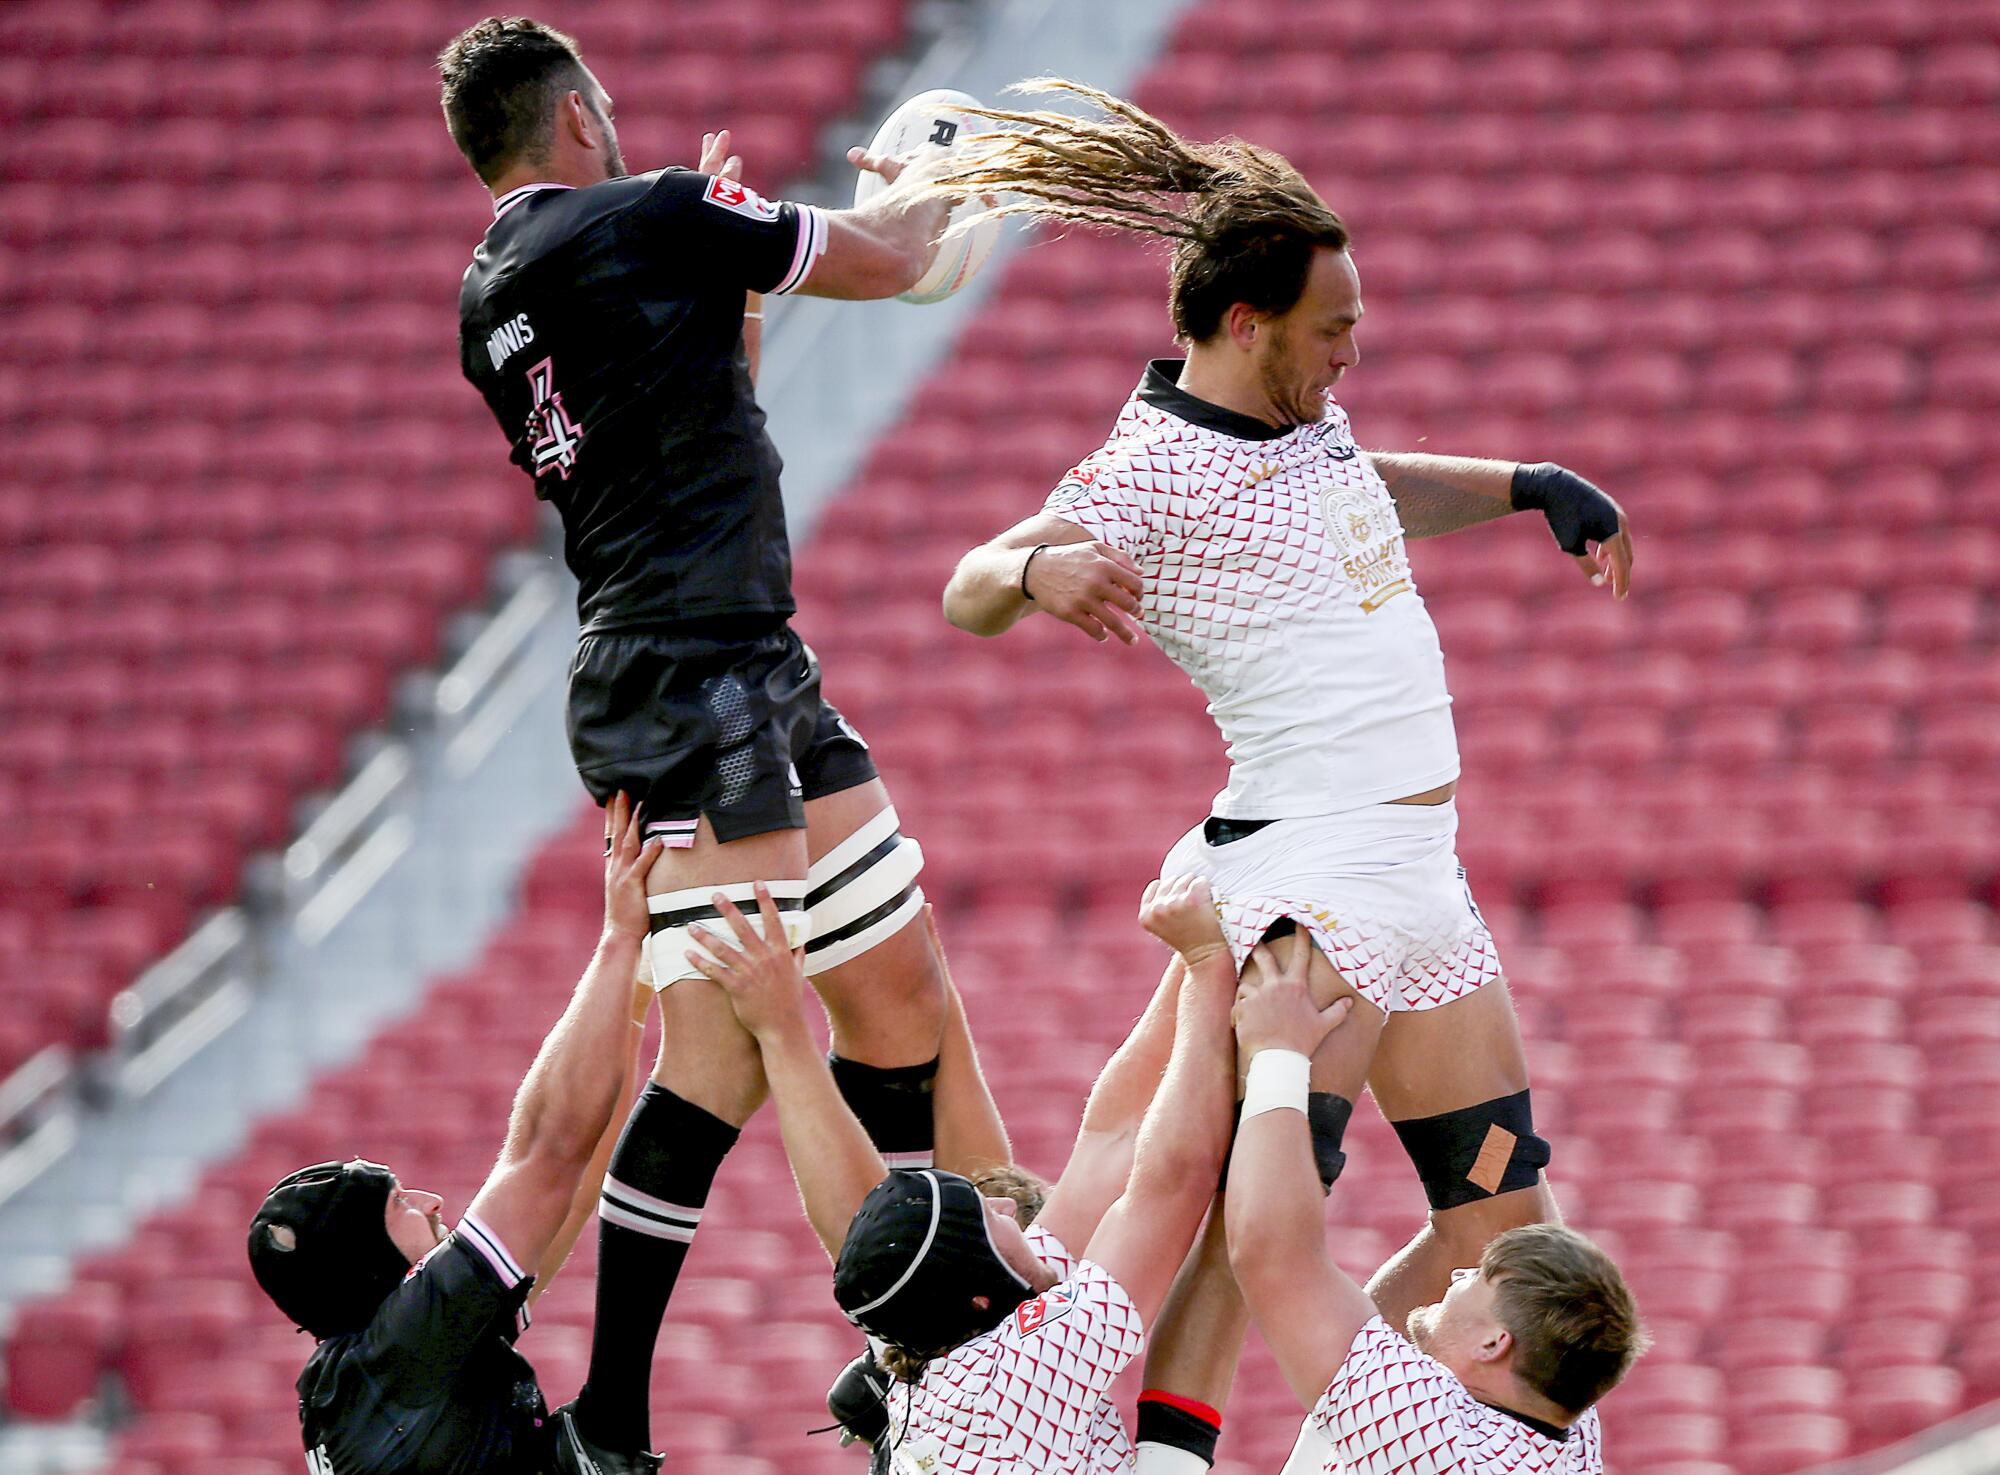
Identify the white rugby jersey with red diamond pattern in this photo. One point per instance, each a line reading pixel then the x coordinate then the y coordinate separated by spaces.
pixel 1390 1410
pixel 1032 1396
pixel 1276 578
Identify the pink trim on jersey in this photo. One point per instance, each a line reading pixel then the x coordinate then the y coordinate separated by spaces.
pixel 811 246
pixel 495 1252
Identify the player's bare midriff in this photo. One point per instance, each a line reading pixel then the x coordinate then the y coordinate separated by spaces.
pixel 1430 796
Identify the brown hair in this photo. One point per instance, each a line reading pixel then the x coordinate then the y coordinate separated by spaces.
pixel 502 79
pixel 1575 1326
pixel 1011 1180
pixel 1243 222
pixel 1003 1180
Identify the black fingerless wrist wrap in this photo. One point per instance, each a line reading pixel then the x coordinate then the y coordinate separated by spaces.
pixel 1532 483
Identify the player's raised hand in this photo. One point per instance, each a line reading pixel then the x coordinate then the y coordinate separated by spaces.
pixel 626 861
pixel 1275 1009
pixel 761 975
pixel 716 158
pixel 1587 524
pixel 1093 586
pixel 889 166
pixel 1181 912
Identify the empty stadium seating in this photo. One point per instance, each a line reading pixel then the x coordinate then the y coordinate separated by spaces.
pixel 1736 263
pixel 247 484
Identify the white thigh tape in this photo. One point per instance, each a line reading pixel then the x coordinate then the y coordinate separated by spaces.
pixel 663 959
pixel 862 892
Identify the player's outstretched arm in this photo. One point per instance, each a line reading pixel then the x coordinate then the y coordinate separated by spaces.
pixel 583 1203
pixel 884 246
pixel 1308 1309
pixel 1146 1233
pixel 832 1159
pixel 1441 494
pixel 970 1136
pixel 1049 564
pixel 566 1100
pixel 1100 1160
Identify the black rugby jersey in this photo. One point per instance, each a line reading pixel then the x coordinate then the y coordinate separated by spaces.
pixel 432 1385
pixel 604 326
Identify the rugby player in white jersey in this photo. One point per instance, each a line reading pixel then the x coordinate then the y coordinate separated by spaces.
pixel 1499 1376
pixel 1232 516
pixel 1004 1342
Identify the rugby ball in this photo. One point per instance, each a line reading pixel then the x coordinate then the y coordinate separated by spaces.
pixel 933 121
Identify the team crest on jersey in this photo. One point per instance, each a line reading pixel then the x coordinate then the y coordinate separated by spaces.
pixel 735 196
pixel 1370 545
pixel 1052 1305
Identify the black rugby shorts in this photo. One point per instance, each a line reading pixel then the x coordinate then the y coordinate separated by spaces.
pixel 731 727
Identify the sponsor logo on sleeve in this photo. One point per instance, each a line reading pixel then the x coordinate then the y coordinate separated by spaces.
pixel 732 195
pixel 1052 1305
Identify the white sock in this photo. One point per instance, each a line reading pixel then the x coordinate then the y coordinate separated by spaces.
pixel 1164 1459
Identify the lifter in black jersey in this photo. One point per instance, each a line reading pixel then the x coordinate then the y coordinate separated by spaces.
pixel 415 1371
pixel 603 319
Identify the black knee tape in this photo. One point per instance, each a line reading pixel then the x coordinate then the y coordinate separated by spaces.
pixel 1327 1114
pixel 1475 1153
pixel 892 1103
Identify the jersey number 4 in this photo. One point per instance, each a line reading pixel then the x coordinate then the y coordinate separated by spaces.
pixel 555 436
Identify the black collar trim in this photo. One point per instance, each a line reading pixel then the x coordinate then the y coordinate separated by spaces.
pixel 1159 389
pixel 1547 1430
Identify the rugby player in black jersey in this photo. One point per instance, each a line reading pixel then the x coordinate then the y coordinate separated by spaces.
pixel 603 318
pixel 415 1372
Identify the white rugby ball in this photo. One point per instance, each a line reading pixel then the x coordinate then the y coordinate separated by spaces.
pixel 933 121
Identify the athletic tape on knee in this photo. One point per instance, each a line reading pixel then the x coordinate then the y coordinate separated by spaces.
pixel 1328 1116
pixel 893 1105
pixel 862 892
pixel 663 959
pixel 1475 1153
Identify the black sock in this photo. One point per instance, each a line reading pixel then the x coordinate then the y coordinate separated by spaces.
pixel 1178 1423
pixel 893 1105
pixel 653 1194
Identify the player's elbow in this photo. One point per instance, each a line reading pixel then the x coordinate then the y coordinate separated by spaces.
pixel 1256 1246
pixel 552 1143
pixel 964 608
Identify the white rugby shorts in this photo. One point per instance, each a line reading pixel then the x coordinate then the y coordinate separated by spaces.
pixel 1380 889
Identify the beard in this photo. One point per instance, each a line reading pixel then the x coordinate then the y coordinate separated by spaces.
pixel 1295 403
pixel 614 161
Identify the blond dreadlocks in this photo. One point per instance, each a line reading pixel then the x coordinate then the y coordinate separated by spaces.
pixel 1243 222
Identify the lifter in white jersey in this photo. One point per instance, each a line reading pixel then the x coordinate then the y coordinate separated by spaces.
pixel 1003 1343
pixel 1232 516
pixel 1500 1375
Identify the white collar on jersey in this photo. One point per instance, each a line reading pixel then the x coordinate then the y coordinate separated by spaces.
pixel 514 196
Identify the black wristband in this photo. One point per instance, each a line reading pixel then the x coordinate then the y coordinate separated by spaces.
pixel 1578 513
pixel 1025 566
pixel 1531 484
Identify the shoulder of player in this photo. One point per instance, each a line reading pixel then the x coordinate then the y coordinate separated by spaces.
pixel 1379 1351
pixel 1088 1288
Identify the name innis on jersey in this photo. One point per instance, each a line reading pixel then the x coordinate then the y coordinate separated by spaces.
pixel 509 339
pixel 555 437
